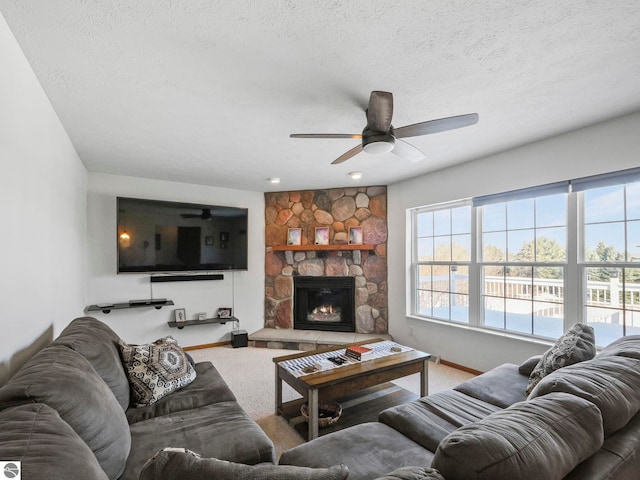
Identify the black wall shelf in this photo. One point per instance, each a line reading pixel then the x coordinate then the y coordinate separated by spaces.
pixel 107 307
pixel 189 323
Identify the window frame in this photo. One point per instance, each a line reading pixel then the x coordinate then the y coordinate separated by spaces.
pixel 416 263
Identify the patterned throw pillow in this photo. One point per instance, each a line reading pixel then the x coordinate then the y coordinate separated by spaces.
pixel 577 345
pixel 155 369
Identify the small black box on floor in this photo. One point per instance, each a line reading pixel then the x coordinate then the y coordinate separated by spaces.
pixel 239 338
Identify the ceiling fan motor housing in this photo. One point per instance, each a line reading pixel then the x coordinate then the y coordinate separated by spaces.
pixel 377 142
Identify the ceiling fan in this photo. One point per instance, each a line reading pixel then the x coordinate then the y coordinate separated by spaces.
pixel 379 136
pixel 205 215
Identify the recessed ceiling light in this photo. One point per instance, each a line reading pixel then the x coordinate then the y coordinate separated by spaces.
pixel 355 175
pixel 274 180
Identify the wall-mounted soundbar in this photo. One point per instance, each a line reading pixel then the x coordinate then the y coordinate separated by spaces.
pixel 187 278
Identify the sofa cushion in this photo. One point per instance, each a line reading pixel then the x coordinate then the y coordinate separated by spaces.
pixel 222 430
pixel 413 473
pixel 611 383
pixel 208 388
pixel 47 446
pixel 502 386
pixel 430 419
pixel 155 369
pixel 96 342
pixel 65 380
pixel 369 450
pixel 619 457
pixel 179 463
pixel 623 347
pixel 541 438
pixel 577 345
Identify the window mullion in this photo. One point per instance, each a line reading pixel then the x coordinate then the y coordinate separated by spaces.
pixel 475 283
pixel 574 281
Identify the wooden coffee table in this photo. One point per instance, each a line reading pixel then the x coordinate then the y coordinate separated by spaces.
pixel 339 381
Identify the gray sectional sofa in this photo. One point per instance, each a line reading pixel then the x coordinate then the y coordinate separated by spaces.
pixel 580 422
pixel 66 414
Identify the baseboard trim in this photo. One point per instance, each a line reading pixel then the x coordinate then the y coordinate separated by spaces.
pixel 461 367
pixel 207 345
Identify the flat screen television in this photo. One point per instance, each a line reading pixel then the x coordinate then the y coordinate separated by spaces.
pixel 161 236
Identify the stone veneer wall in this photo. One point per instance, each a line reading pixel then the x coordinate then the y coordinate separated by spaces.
pixel 338 209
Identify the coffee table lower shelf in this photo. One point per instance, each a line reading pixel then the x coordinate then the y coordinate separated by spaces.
pixel 359 407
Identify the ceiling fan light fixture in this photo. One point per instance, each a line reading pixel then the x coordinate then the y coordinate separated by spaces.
pixel 378 143
pixel 355 175
pixel 274 180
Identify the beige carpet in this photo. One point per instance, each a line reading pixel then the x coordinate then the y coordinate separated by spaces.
pixel 250 374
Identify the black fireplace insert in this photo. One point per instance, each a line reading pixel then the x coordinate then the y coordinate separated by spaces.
pixel 324 303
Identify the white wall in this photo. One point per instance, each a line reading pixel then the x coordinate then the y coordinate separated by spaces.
pixel 43 208
pixel 609 146
pixel 243 291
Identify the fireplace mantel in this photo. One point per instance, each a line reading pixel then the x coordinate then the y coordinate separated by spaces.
pixel 308 248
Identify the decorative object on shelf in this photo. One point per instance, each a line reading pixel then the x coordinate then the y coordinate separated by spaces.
pixel 208 240
pixel 202 316
pixel 224 312
pixel 355 235
pixel 328 413
pixel 180 315
pixel 294 236
pixel 322 236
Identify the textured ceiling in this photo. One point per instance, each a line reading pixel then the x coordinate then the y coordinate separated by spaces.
pixel 208 92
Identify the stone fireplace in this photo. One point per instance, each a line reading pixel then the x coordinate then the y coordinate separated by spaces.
pixel 324 303
pixel 337 209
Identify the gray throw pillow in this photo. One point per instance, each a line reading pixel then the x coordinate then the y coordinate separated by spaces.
pixel 529 364
pixel 577 345
pixel 179 464
pixel 155 369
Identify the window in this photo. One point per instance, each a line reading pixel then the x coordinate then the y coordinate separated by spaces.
pixel 524 253
pixel 611 260
pixel 443 254
pixel 533 262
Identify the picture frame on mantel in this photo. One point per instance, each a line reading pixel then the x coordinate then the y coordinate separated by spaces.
pixel 322 236
pixel 355 236
pixel 294 236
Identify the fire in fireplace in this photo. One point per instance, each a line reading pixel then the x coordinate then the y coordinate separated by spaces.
pixel 324 303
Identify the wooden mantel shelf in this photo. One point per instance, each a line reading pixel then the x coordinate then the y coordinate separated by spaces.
pixel 280 248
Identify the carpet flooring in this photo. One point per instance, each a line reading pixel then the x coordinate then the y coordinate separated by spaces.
pixel 250 374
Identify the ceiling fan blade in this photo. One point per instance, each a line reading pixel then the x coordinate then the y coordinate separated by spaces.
pixel 346 156
pixel 435 126
pixel 407 151
pixel 380 111
pixel 325 135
